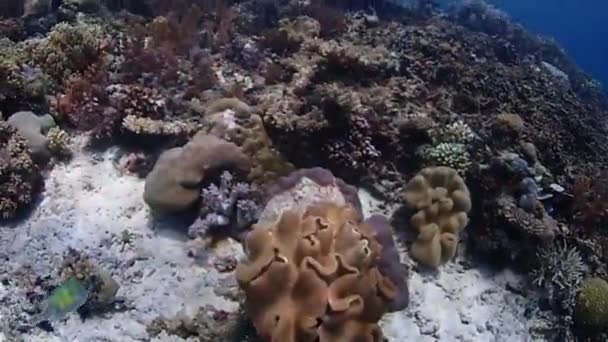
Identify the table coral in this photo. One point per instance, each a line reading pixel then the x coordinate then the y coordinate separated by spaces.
pixel 441 200
pixel 314 277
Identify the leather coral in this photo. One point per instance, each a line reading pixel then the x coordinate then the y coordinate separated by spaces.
pixel 314 277
pixel 441 200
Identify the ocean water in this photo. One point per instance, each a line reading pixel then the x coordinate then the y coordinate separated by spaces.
pixel 580 27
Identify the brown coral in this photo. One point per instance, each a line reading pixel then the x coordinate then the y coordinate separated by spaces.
pixel 442 201
pixel 314 277
pixel 18 173
pixel 235 121
pixel 174 183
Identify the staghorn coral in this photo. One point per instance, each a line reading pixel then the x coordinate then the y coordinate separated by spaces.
pixel 441 200
pixel 174 183
pixel 228 209
pixel 18 173
pixel 314 277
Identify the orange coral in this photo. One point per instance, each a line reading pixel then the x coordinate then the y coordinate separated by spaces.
pixel 314 277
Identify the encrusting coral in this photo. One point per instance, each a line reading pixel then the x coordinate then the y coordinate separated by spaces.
pixel 235 121
pixel 441 200
pixel 314 277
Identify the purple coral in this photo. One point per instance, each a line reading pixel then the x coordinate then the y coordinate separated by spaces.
pixel 229 208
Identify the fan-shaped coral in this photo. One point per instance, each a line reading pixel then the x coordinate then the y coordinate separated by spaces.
pixel 442 201
pixel 314 277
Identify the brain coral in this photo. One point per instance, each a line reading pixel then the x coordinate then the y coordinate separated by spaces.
pixel 442 201
pixel 314 277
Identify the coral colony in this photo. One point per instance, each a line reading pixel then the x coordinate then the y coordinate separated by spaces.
pixel 267 126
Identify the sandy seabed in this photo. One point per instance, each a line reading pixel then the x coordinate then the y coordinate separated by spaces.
pixel 89 202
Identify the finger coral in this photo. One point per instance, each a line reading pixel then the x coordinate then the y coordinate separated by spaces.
pixel 442 201
pixel 314 277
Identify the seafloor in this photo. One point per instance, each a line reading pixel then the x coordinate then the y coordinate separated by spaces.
pixel 293 171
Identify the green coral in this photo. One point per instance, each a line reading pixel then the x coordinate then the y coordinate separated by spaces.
pixel 58 141
pixel 592 304
pixel 449 146
pixel 17 172
pixel 67 49
pixel 456 132
pixel 452 155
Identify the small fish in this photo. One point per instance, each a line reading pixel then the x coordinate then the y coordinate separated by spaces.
pixel 67 297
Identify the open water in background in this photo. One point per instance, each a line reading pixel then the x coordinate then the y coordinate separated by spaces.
pixel 580 27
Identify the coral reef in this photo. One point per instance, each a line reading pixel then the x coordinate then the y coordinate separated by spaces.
pixel 68 49
pixel 18 173
pixel 315 277
pixel 441 200
pixel 173 184
pixel 369 92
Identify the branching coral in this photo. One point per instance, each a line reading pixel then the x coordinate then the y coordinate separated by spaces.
pixel 18 173
pixel 68 49
pixel 147 126
pixel 560 273
pixel 442 201
pixel 450 146
pixel 452 155
pixel 314 277
pixel 58 141
pixel 227 209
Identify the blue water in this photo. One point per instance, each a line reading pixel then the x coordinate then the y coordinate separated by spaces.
pixel 580 27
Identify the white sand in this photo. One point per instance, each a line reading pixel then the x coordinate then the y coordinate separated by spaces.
pixel 89 201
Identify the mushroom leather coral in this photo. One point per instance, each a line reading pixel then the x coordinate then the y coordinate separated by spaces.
pixel 442 201
pixel 314 277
